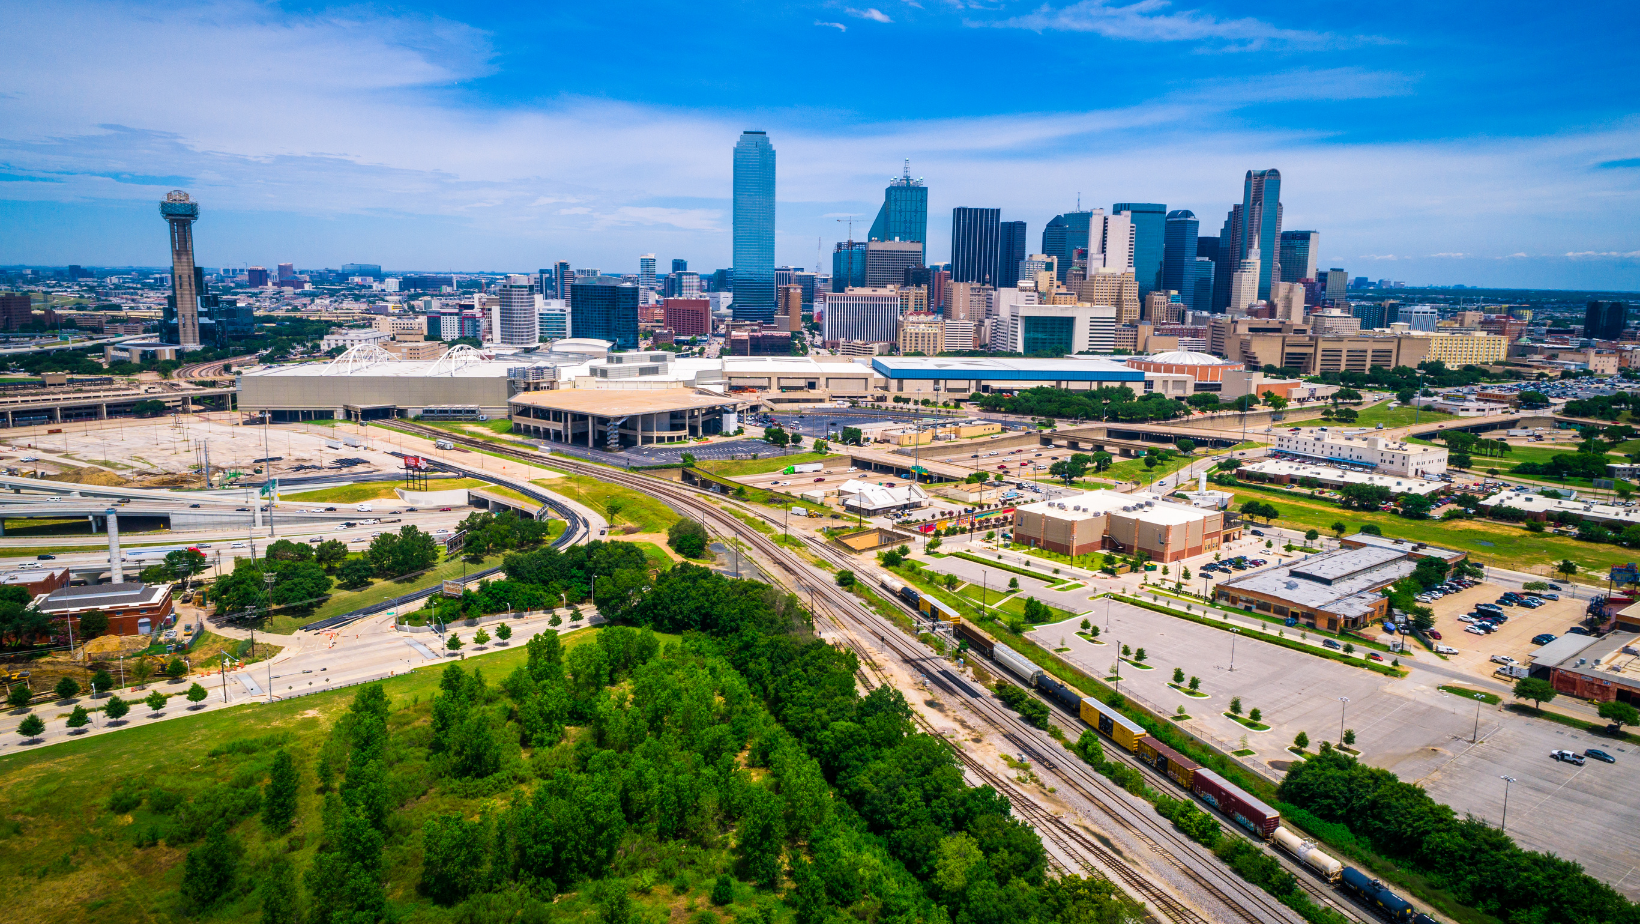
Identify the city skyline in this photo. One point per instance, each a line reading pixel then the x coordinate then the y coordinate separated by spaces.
pixel 1525 174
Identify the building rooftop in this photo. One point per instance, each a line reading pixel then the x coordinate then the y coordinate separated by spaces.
pixel 1614 658
pixel 100 596
pixel 616 402
pixel 1067 368
pixel 1187 358
pixel 1565 648
pixel 1139 505
pixel 1420 549
pixel 1537 503
pixel 1345 581
pixel 1400 484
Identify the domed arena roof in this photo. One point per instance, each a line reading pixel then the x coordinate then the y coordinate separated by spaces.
pixel 1187 358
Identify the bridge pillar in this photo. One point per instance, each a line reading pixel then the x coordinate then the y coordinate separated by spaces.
pixel 102 411
pixel 56 414
pixel 2 526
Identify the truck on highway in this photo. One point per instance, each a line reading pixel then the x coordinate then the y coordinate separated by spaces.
pixel 806 467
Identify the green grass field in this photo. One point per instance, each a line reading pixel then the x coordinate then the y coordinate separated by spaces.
pixel 771 463
pixel 73 861
pixel 1493 543
pixel 1382 413
pixel 640 510
pixel 346 601
pixel 373 490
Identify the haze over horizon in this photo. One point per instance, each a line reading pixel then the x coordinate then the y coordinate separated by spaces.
pixel 1428 145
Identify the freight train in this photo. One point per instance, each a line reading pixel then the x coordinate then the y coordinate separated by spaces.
pixel 1383 902
pixel 921 602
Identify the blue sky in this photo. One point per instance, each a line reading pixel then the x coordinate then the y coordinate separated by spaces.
pixel 1494 144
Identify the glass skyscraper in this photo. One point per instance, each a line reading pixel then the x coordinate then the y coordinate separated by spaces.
pixel 1063 236
pixel 1149 224
pixel 754 229
pixel 975 241
pixel 1261 223
pixel 1010 253
pixel 1298 253
pixel 904 213
pixel 1179 255
pixel 607 309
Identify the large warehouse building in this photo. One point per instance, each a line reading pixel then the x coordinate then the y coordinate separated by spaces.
pixel 946 377
pixel 1105 521
pixel 1334 590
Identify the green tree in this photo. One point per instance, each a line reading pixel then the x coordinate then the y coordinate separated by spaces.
pixel 1255 715
pixel 102 680
pixel 1566 568
pixel 1536 689
pixel 116 708
pixel 405 552
pixel 481 637
pixel 279 795
pixel 454 643
pixel 1619 714
pixel 92 624
pixel 503 632
pixel 330 553
pixel 355 573
pixel 723 890
pixel 1235 705
pixel 276 892
pixel 1102 461
pixel 1301 741
pixel 19 694
pixel 687 537
pixel 845 579
pixel 79 718
pixel 688 460
pixel 1312 535
pixel 1349 736
pixel 453 855
pixel 31 727
pixel 1185 446
pixel 1195 683
pixel 1178 675
pixel 208 873
pixel 155 701
pixel 175 668
pixel 1338 530
pixel 196 694
pixel 67 688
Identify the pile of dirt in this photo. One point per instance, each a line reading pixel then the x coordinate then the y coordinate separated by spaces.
pixel 171 480
pixel 88 475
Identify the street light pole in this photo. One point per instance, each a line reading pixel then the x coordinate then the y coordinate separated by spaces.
pixel 1504 824
pixel 1343 703
pixel 1475 736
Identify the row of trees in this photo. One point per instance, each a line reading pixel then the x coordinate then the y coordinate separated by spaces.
pixel 1118 403
pixel 303 574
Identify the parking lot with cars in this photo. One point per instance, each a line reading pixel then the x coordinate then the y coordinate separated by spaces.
pixel 1514 627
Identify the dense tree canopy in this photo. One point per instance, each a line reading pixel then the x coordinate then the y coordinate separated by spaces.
pixel 1116 403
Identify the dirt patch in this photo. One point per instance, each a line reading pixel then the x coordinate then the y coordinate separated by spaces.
pixel 88 475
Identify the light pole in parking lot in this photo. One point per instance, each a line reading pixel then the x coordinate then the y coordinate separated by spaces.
pixel 1475 736
pixel 1504 824
pixel 1343 704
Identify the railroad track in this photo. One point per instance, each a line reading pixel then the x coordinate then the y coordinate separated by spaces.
pixel 852 617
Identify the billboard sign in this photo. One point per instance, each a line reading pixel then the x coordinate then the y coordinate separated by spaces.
pixel 416 463
pixel 452 589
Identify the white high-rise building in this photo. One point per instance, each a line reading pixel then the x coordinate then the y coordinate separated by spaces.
pixel 555 319
pixel 1244 282
pixel 517 323
pixel 1062 330
pixel 1110 242
pixel 646 272
pixel 866 314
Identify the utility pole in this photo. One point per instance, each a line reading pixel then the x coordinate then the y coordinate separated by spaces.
pixel 1504 824
pixel 1343 703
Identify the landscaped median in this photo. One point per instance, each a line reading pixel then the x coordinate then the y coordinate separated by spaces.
pixel 1263 636
pixel 1012 569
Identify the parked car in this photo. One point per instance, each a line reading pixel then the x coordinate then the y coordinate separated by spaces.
pixel 1475 630
pixel 1570 757
pixel 1503 659
pixel 1577 630
pixel 1600 755
pixel 1542 639
pixel 1445 649
pixel 1374 656
pixel 1551 596
pixel 1329 643
pixel 1556 587
pixel 1435 634
pixel 1256 532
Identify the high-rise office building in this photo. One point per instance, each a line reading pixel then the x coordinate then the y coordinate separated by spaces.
pixel 1605 320
pixel 1204 280
pixel 688 317
pixel 605 308
pixel 975 242
pixel 546 285
pixel 904 213
pixel 1010 252
pixel 180 214
pixel 1423 318
pixel 887 261
pixel 1261 223
pixel 683 284
pixel 287 273
pixel 848 265
pixel 1149 221
pixel 1337 283
pixel 1298 253
pixel 754 228
pixel 1179 246
pixel 373 270
pixel 1372 315
pixel 788 309
pixel 16 310
pixel 1228 257
pixel 679 265
pixel 554 319
pixel 518 322
pixel 1244 281
pixel 1110 242
pixel 1065 235
pixel 868 314
pixel 646 272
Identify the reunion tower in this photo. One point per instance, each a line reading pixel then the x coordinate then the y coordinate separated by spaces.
pixel 180 214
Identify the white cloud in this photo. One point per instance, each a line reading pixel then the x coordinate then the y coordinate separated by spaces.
pixel 835 25
pixel 871 13
pixel 687 219
pixel 1453 256
pixel 1151 21
pixel 1592 254
pixel 1379 256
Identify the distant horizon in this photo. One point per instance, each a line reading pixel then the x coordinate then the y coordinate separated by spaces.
pixel 1423 142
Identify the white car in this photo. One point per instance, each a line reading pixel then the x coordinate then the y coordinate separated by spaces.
pixel 1502 659
pixel 1445 649
pixel 28 459
pixel 1474 630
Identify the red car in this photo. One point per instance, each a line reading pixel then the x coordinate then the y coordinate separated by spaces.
pixel 1374 656
pixel 1434 635
pixel 444 510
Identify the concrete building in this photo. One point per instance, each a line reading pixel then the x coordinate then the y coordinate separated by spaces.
pixel 788 308
pixel 1035 330
pixel 1116 288
pixel 959 335
pixel 873 499
pixel 1106 521
pixel 1601 670
pixel 553 316
pixel 688 317
pixel 517 322
pixel 1361 448
pixel 869 315
pixel 132 608
pixel 1329 476
pixel 612 419
pixel 1333 323
pixel 960 377
pixel 1244 282
pixel 887 261
pixel 1205 370
pixel 1540 508
pixel 922 333
pixel 1332 591
pixel 350 337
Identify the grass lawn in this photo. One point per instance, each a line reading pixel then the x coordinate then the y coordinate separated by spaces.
pixel 1134 469
pixel 1493 543
pixel 1382 413
pixel 346 601
pixel 72 860
pixel 1491 699
pixel 1016 606
pixel 773 462
pixel 640 510
pixel 207 648
pixel 657 557
pixel 373 490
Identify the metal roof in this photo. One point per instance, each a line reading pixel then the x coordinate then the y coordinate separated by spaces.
pixel 991 368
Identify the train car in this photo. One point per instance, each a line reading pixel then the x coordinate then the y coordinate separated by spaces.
pixel 889 584
pixel 1240 807
pixel 1421 918
pixel 1112 724
pixel 1374 895
pixel 1178 768
pixel 976 639
pixel 910 596
pixel 1015 663
pixel 1306 853
pixel 1059 692
pixel 934 609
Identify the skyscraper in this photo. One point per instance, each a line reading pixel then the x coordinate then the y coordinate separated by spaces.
pixel 518 323
pixel 1063 236
pixel 680 266
pixel 1605 320
pixel 1298 252
pixel 562 277
pixel 646 272
pixel 754 228
pixel 1228 257
pixel 1010 252
pixel 1149 229
pixel 180 214
pixel 1261 223
pixel 1179 243
pixel 1208 248
pixel 975 242
pixel 287 273
pixel 904 213
pixel 607 309
pixel 848 265
pixel 1244 282
pixel 1110 242
pixel 887 261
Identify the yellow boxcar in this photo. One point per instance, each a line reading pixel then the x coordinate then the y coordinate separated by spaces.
pixel 1112 724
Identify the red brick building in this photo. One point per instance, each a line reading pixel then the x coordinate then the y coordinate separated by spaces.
pixel 688 317
pixel 132 609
